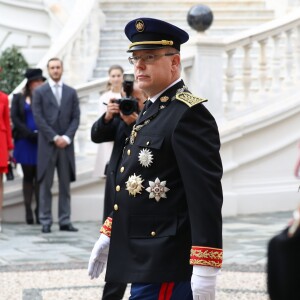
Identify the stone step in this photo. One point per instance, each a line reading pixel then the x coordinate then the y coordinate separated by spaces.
pixel 229 17
pixel 179 13
pixel 144 4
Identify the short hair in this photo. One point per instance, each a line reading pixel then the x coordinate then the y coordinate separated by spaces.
pixel 54 59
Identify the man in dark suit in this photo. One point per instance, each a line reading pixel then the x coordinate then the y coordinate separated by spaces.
pixel 56 112
pixel 115 126
pixel 165 232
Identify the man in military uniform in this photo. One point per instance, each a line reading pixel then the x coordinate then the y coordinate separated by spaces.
pixel 165 232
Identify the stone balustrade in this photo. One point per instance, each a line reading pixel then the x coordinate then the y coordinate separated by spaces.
pixel 244 70
pixel 88 94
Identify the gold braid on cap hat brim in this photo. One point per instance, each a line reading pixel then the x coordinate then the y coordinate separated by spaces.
pixel 162 42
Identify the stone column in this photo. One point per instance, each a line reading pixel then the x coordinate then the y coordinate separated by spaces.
pixel 207 73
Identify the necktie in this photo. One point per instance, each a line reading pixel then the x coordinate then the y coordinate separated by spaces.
pixel 56 89
pixel 148 104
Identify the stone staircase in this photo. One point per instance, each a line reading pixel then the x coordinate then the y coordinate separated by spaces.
pixel 229 17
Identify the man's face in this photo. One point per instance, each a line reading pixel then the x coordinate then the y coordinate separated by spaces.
pixel 153 77
pixel 55 70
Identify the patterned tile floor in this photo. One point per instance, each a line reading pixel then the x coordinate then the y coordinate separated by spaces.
pixel 36 266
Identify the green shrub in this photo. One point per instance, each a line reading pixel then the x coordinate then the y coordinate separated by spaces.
pixel 12 68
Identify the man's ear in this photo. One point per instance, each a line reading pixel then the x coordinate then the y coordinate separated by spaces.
pixel 175 63
pixel 176 60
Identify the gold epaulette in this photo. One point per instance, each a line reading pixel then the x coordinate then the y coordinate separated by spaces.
pixel 189 99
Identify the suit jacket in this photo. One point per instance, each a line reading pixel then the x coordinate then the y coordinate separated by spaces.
pixel 20 130
pixel 53 120
pixel 6 143
pixel 174 208
pixel 116 131
pixel 283 266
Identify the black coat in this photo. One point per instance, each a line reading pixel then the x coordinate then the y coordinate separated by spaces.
pixel 115 131
pixel 20 129
pixel 151 240
pixel 283 268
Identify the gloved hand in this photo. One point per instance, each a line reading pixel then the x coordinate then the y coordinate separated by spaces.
pixel 203 283
pixel 98 256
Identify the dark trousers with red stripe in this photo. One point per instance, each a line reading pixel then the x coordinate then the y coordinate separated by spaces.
pixel 161 291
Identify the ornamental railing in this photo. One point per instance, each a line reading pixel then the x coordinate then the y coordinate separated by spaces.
pixel 247 69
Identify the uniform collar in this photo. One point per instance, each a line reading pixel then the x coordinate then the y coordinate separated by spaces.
pixel 152 99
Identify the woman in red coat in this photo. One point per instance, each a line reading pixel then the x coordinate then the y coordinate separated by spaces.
pixel 6 144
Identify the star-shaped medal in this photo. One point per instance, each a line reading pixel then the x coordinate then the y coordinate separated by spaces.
pixel 134 185
pixel 157 189
pixel 145 158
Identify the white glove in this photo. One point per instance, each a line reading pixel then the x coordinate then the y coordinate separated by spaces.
pixel 98 256
pixel 203 283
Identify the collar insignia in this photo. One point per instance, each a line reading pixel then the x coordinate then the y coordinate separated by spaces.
pixel 164 99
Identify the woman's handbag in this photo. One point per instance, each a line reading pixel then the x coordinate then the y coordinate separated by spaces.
pixel 11 165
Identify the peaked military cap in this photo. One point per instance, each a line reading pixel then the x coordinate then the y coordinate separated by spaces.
pixel 149 34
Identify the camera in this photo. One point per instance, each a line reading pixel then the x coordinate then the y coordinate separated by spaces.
pixel 127 104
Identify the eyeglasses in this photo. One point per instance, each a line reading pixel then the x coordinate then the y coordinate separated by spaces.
pixel 148 58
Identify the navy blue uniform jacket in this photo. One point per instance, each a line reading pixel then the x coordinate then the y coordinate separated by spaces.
pixel 158 240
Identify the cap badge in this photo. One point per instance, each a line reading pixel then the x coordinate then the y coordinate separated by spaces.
pixel 157 189
pixel 139 25
pixel 134 184
pixel 145 158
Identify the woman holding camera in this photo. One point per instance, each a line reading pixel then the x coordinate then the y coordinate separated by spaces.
pixel 25 136
pixel 6 144
pixel 114 89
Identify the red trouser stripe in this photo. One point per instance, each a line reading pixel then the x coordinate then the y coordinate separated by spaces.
pixel 166 290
